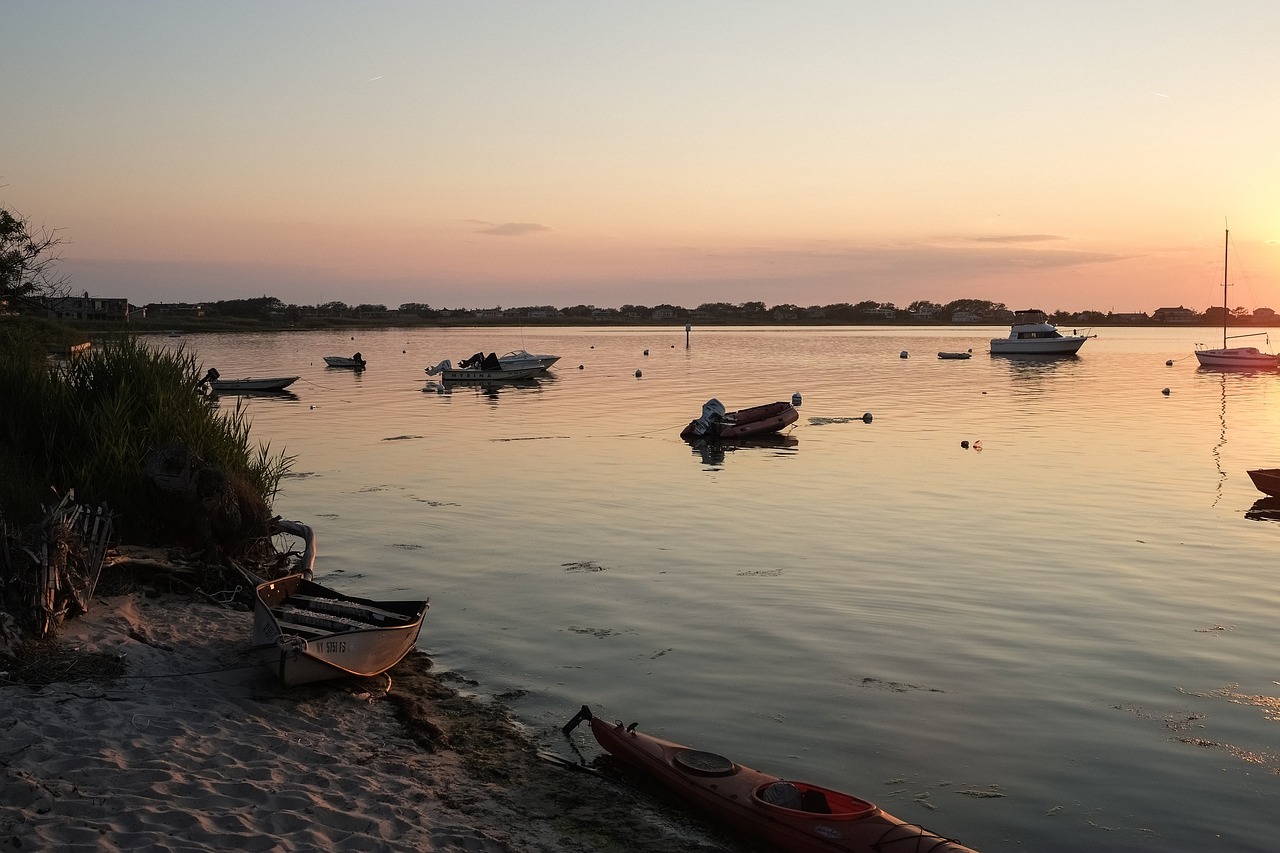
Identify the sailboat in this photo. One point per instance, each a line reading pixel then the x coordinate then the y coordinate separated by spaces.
pixel 1239 358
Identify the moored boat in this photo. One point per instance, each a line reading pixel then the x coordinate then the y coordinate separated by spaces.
pixel 1267 480
pixel 716 423
pixel 1032 334
pixel 480 368
pixel 797 817
pixel 955 355
pixel 1234 358
pixel 520 359
pixel 354 362
pixel 217 384
pixel 306 632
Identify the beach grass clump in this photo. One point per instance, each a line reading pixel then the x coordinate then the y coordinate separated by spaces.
pixel 90 422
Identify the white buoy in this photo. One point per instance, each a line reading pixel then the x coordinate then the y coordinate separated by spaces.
pixel 1169 363
pixel 580 366
pixel 795 399
pixel 902 354
pixel 1165 392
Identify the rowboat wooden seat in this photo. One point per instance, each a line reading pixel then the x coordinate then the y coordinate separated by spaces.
pixel 297 628
pixel 364 612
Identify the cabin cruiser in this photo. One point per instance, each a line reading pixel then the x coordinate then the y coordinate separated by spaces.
pixel 1033 334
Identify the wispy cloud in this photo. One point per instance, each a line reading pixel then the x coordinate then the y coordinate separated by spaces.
pixel 512 229
pixel 1018 238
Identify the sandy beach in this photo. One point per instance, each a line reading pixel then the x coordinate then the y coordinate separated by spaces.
pixel 194 746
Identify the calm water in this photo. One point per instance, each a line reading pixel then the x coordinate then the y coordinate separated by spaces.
pixel 1078 616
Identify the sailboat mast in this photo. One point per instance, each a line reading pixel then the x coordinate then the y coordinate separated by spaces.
pixel 1226 241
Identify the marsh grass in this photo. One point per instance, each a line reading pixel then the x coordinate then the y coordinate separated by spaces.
pixel 89 422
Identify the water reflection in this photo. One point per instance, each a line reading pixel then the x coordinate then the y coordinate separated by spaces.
pixel 266 395
pixel 1023 365
pixel 1264 509
pixel 487 388
pixel 712 452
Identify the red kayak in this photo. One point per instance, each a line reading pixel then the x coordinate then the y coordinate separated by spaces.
pixel 744 423
pixel 798 817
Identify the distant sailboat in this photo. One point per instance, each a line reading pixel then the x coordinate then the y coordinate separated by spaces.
pixel 1238 358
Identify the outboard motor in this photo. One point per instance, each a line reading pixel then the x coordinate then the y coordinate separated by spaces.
pixel 209 378
pixel 712 417
pixel 444 365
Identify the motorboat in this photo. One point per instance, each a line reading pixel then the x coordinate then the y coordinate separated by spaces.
pixel 1033 334
pixel 1234 358
pixel 355 362
pixel 793 816
pixel 520 359
pixel 1267 480
pixel 248 384
pixel 480 368
pixel 306 632
pixel 716 423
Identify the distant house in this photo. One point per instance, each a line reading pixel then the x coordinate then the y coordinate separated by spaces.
pixel 175 309
pixel 664 314
pixel 1266 315
pixel 782 315
pixel 1174 315
pixel 965 317
pixel 103 308
pixel 882 311
pixel 1139 317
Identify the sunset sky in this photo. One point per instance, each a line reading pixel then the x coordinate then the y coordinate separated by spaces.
pixel 1061 155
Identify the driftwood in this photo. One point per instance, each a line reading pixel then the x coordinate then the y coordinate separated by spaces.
pixel 49 571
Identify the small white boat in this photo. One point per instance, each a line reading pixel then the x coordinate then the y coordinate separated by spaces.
pixel 1033 334
pixel 520 359
pixel 480 368
pixel 1234 358
pixel 249 384
pixel 355 361
pixel 306 632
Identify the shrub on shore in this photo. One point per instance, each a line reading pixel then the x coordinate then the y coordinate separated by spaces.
pixel 89 423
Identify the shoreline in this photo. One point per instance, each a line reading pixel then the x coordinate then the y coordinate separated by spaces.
pixel 195 746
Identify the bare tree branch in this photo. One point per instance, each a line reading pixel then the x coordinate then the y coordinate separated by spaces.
pixel 28 262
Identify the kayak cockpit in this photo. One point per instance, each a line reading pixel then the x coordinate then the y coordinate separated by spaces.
pixel 802 798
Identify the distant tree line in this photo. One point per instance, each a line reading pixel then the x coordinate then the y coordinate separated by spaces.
pixel 269 309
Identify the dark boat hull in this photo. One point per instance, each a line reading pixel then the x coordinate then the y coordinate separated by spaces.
pixel 1267 480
